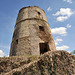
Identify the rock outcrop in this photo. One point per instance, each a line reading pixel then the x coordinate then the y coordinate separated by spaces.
pixel 50 63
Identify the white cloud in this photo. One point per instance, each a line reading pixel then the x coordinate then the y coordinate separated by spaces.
pixel 64 11
pixel 64 47
pixel 69 1
pixel 63 14
pixel 60 31
pixel 62 18
pixel 68 26
pixel 57 41
pixel 1 53
pixel 48 9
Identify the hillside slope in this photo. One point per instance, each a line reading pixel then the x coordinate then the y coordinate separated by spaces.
pixel 50 63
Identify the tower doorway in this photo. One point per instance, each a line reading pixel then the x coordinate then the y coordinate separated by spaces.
pixel 44 47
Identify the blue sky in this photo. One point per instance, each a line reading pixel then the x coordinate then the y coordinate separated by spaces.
pixel 60 15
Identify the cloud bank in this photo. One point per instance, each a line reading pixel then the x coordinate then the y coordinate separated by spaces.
pixel 63 14
pixel 60 31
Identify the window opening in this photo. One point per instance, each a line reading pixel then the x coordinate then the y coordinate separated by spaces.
pixel 17 41
pixel 41 28
pixel 39 13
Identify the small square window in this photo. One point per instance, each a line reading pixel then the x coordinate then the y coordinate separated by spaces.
pixel 41 28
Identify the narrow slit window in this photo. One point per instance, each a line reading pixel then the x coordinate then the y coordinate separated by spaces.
pixel 41 28
pixel 17 41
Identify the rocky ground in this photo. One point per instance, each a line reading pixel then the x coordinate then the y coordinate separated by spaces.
pixel 50 63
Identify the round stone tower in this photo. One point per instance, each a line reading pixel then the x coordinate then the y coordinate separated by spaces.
pixel 32 34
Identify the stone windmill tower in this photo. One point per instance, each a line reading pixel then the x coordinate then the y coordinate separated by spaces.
pixel 32 34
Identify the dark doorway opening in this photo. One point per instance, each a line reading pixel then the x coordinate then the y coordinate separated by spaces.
pixel 44 47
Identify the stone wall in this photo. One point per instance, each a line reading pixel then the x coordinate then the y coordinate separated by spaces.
pixel 50 63
pixel 27 33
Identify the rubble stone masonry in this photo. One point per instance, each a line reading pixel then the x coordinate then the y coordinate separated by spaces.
pixel 32 34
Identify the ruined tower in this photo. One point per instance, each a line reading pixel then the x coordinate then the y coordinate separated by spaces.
pixel 32 34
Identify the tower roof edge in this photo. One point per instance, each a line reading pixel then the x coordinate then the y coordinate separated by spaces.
pixel 30 7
